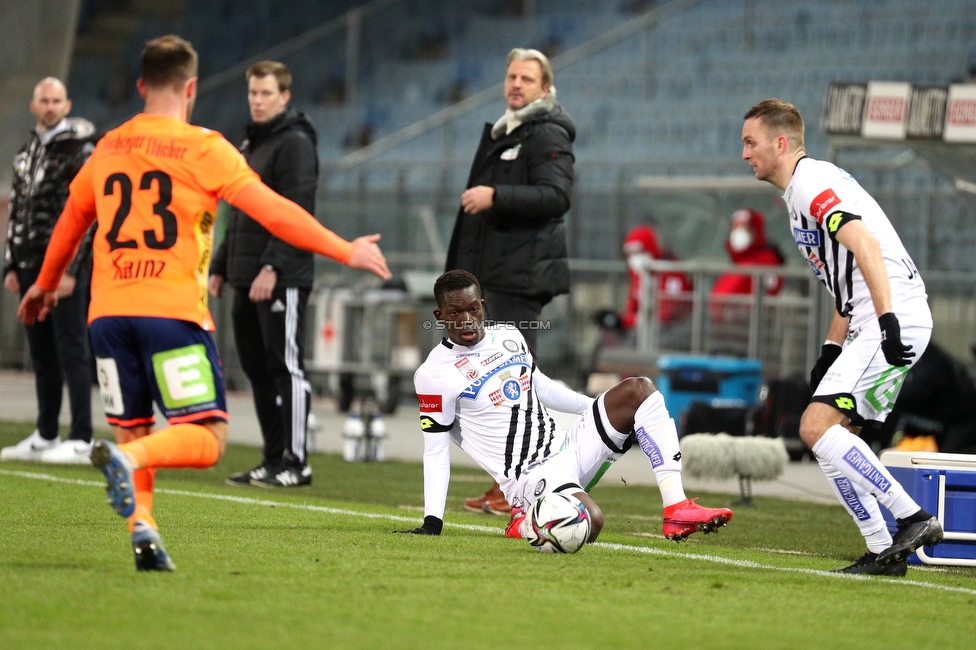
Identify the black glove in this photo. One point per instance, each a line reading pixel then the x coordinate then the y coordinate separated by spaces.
pixel 896 353
pixel 828 354
pixel 432 526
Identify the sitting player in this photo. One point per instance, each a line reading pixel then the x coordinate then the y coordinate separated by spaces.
pixel 153 184
pixel 480 387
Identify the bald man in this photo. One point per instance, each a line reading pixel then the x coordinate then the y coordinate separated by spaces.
pixel 43 168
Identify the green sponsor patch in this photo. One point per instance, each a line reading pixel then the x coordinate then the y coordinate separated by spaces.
pixel 184 376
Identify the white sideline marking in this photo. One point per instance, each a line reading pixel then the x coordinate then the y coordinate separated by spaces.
pixel 744 564
pixel 749 564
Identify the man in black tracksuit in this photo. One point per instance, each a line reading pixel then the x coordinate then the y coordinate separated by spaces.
pixel 509 231
pixel 272 280
pixel 43 170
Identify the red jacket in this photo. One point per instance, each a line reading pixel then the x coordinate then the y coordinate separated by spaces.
pixel 643 239
pixel 759 252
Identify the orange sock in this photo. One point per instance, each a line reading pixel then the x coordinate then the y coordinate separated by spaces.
pixel 142 480
pixel 177 446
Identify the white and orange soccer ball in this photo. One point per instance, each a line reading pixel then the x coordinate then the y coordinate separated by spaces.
pixel 558 523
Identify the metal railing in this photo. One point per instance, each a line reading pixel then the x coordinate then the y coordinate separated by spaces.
pixel 784 330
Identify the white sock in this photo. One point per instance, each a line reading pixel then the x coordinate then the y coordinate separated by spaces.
pixel 853 458
pixel 861 505
pixel 658 438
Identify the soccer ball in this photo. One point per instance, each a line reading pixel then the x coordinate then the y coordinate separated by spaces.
pixel 558 523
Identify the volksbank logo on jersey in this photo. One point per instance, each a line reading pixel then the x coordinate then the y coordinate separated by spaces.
pixel 849 496
pixel 650 449
pixel 474 389
pixel 866 469
pixel 806 237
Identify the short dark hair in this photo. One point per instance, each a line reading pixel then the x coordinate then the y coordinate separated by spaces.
pixel 453 281
pixel 781 117
pixel 168 60
pixel 279 70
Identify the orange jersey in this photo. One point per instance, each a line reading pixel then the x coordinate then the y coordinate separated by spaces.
pixel 153 184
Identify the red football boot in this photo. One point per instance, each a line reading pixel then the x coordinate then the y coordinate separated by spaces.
pixel 683 519
pixel 513 529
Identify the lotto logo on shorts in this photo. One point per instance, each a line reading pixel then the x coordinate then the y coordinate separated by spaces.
pixel 650 449
pixel 184 376
pixel 844 403
pixel 822 204
pixel 866 469
pixel 849 496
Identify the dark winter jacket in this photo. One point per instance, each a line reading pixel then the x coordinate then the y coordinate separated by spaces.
pixel 519 245
pixel 282 152
pixel 42 175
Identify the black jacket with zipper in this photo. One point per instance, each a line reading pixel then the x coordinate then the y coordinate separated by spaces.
pixel 42 176
pixel 282 152
pixel 519 245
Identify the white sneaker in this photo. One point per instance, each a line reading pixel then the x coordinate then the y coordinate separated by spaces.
pixel 30 448
pixel 69 452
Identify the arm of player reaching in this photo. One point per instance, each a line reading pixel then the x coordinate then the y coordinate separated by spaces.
pixel 556 396
pixel 855 237
pixel 437 473
pixel 42 296
pixel 437 477
pixel 290 223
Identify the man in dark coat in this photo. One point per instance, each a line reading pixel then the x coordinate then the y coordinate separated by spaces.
pixel 509 231
pixel 43 169
pixel 272 280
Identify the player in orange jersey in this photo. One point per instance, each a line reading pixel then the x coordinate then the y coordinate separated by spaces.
pixel 153 185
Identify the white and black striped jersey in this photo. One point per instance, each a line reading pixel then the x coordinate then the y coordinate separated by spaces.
pixel 490 398
pixel 821 198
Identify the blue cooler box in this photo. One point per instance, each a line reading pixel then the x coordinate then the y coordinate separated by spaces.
pixel 717 381
pixel 945 485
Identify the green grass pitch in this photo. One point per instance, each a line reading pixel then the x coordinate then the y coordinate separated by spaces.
pixel 318 567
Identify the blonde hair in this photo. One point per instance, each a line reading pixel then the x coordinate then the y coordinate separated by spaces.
pixel 780 117
pixel 534 55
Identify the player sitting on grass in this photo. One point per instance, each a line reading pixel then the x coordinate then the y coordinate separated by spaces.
pixel 480 387
pixel 153 185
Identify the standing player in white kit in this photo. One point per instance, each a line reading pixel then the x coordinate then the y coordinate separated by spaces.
pixel 881 321
pixel 480 387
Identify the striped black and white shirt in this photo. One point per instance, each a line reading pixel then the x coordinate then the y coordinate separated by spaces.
pixel 490 400
pixel 821 198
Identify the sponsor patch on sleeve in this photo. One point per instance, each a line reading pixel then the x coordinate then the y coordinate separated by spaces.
pixel 430 403
pixel 822 204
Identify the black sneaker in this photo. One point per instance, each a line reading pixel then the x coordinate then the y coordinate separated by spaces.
pixel 909 538
pixel 245 478
pixel 294 476
pixel 867 564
